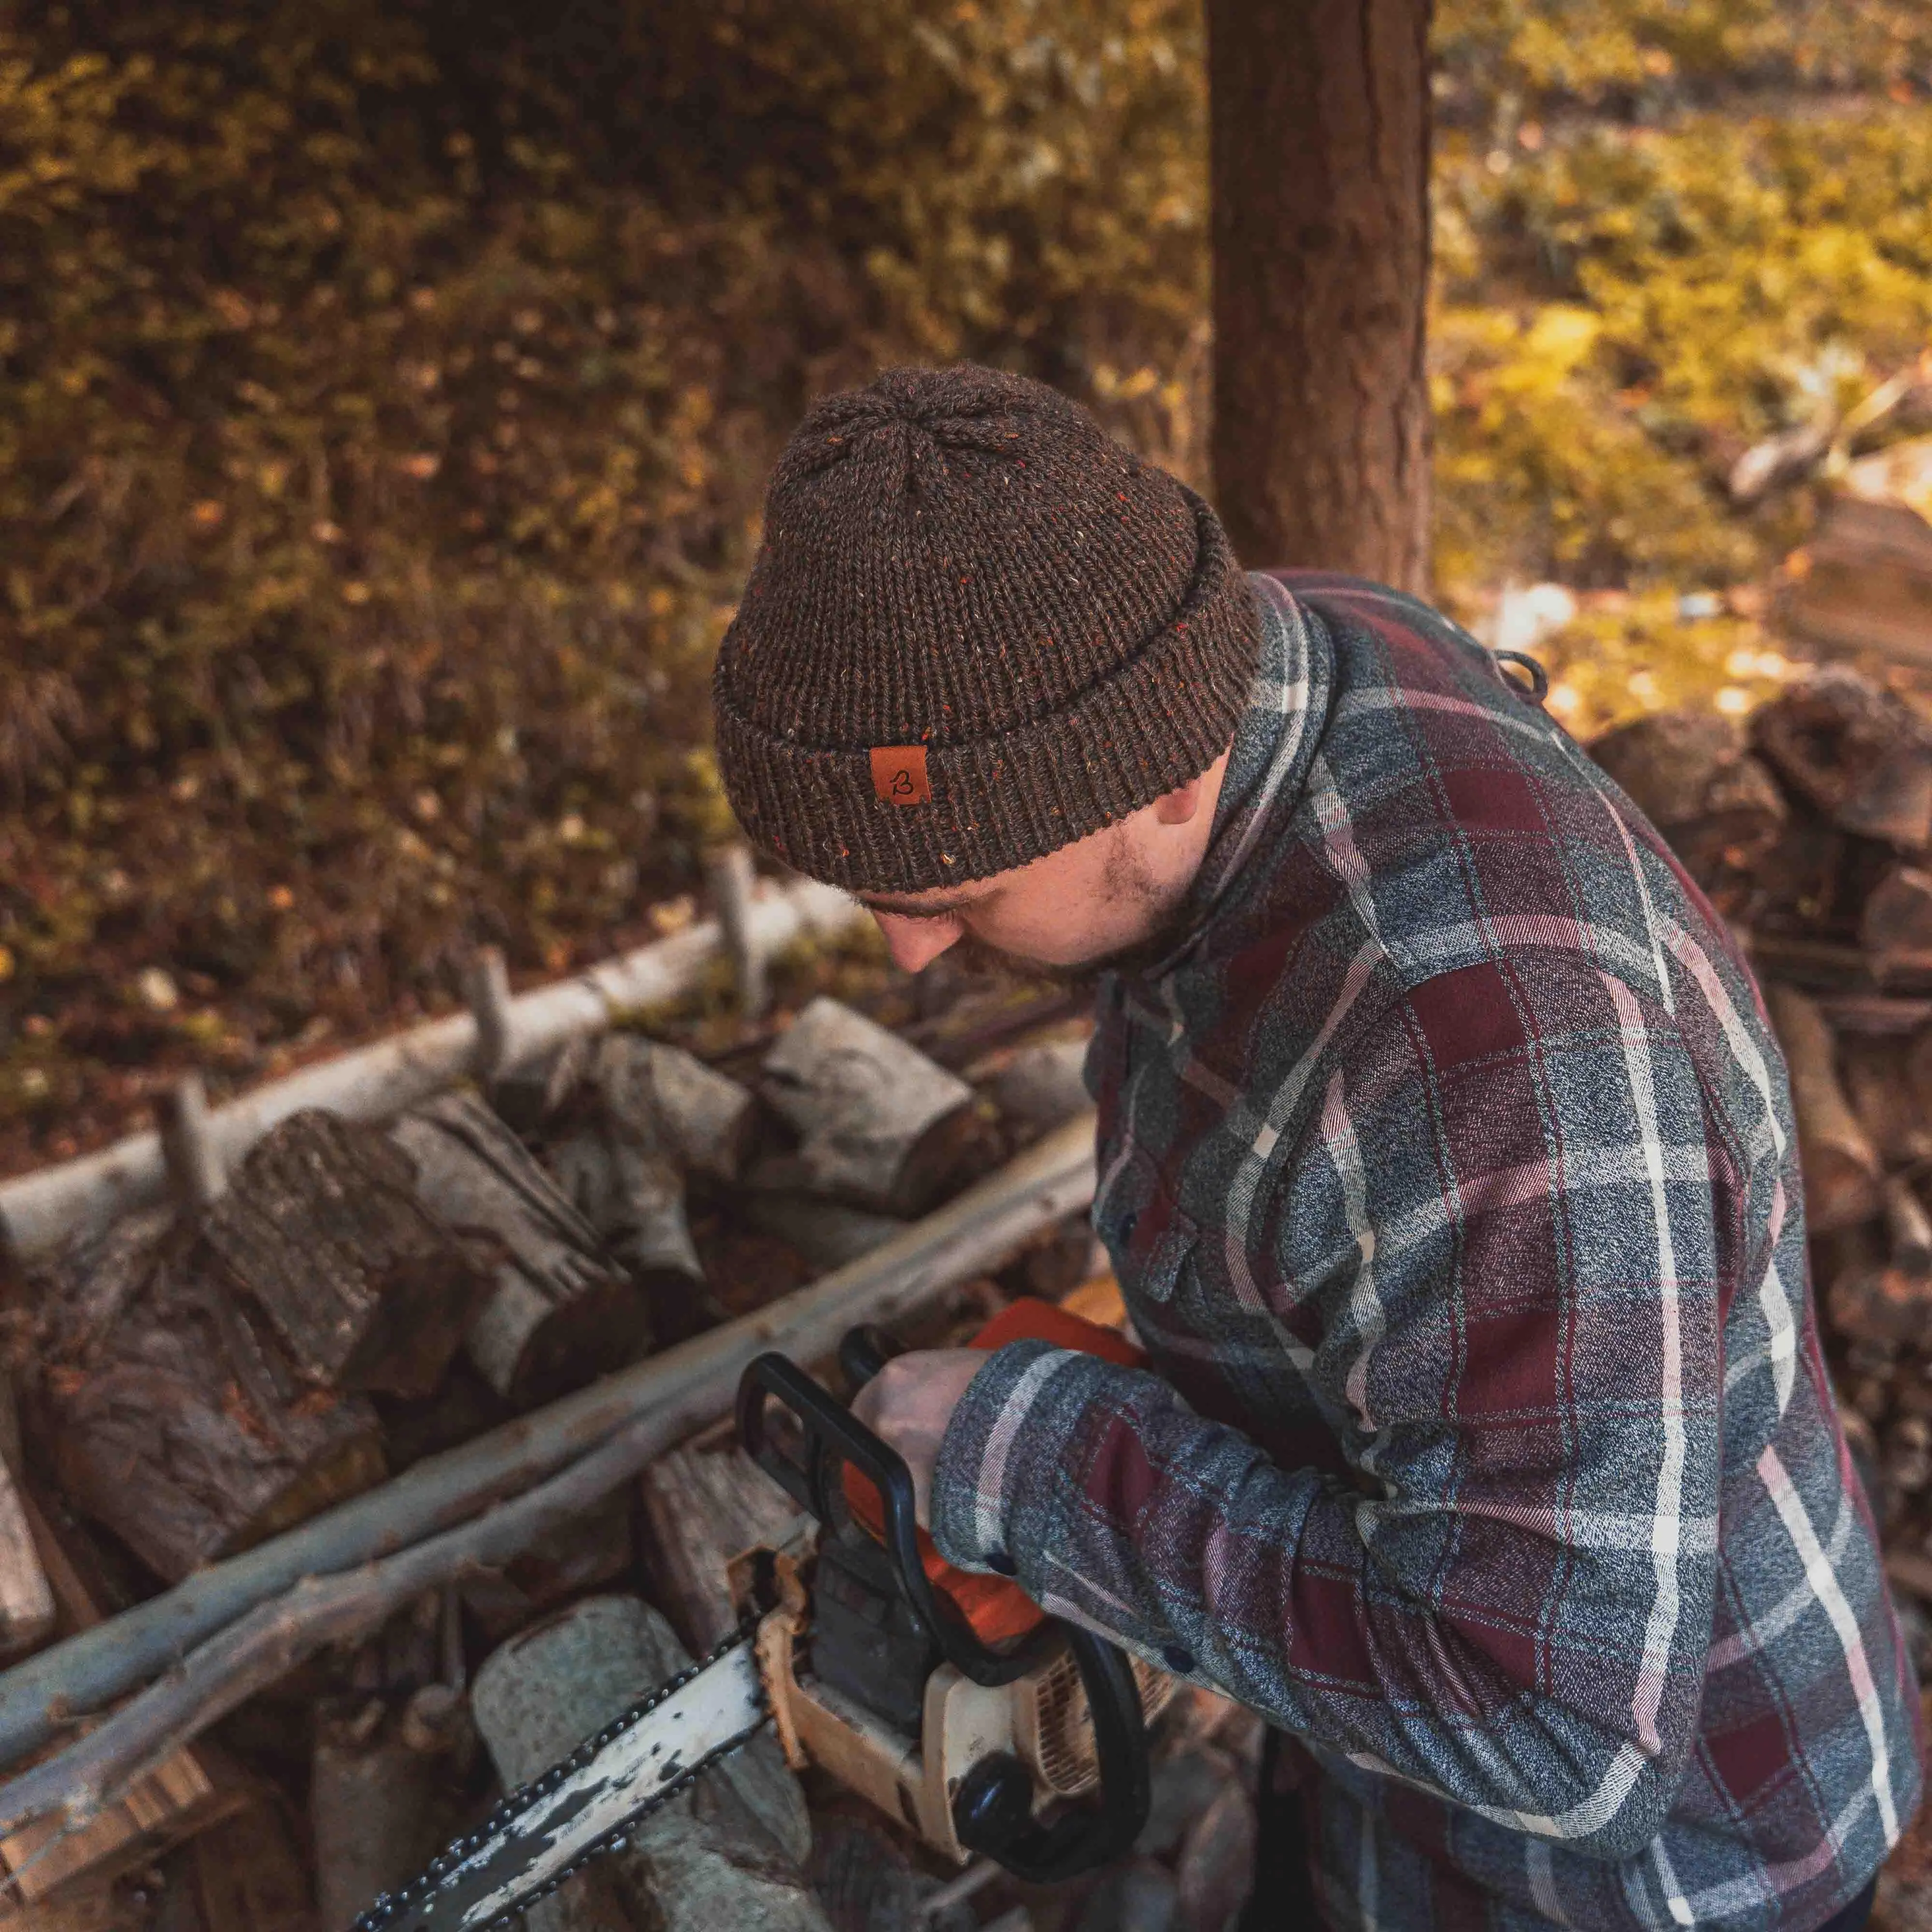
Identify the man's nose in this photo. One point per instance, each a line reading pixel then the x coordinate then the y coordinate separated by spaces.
pixel 915 944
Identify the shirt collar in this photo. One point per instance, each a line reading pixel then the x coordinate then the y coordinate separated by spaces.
pixel 1274 744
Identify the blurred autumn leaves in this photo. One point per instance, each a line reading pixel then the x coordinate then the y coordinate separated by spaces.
pixel 388 394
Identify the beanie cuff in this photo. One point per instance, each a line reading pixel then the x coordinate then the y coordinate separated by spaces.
pixel 1002 802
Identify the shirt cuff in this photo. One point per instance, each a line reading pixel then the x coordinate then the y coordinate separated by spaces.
pixel 1007 1463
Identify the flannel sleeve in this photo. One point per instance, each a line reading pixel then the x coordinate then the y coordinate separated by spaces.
pixel 1494 1255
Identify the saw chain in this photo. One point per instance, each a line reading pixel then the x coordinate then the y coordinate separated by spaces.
pixel 484 1880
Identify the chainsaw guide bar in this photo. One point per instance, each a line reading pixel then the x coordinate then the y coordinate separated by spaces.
pixel 588 1803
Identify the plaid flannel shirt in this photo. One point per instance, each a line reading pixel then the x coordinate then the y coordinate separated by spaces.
pixel 1450 1173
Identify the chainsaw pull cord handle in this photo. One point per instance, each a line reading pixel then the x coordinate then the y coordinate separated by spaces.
pixel 834 1436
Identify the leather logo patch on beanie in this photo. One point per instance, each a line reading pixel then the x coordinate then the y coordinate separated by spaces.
pixel 898 774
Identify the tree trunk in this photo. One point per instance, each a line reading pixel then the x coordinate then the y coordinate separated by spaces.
pixel 1320 154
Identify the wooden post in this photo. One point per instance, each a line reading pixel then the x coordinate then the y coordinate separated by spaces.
pixel 195 1174
pixel 1319 149
pixel 729 874
pixel 488 985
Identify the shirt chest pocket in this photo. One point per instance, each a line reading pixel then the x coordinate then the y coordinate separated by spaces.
pixel 1147 1232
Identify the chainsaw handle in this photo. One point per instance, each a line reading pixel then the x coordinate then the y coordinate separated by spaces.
pixel 992 1812
pixel 834 1436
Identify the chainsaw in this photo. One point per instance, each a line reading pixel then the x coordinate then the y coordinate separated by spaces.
pixel 947 1699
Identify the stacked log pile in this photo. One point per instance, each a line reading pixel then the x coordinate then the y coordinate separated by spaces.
pixel 1809 825
pixel 356 1296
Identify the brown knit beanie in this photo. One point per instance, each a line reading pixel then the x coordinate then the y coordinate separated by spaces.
pixel 977 629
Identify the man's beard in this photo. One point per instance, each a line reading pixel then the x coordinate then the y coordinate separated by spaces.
pixel 1126 877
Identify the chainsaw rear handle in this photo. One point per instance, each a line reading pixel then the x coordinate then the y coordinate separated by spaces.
pixel 835 1436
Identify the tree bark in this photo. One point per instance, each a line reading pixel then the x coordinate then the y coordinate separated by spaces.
pixel 1320 159
pixel 178 1417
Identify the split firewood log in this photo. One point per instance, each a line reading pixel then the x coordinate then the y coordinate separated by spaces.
pixel 1895 927
pixel 661 1097
pixel 727 1853
pixel 702 1505
pixel 559 1310
pixel 1879 1085
pixel 177 1416
pixel 1692 775
pixel 828 1234
pixel 1840 1166
pixel 881 1127
pixel 26 1598
pixel 633 1196
pixel 533 1092
pixel 323 1230
pixel 1858 751
pixel 1041 1086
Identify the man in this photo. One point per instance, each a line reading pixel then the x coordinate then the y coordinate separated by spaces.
pixel 1445 1157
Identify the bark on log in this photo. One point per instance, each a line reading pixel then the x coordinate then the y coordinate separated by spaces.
pixel 177 1418
pixel 726 1853
pixel 882 1127
pixel 1319 153
pixel 1691 775
pixel 1839 1164
pixel 633 1198
pixel 39 1211
pixel 660 1097
pixel 662 1400
pixel 322 1228
pixel 1896 926
pixel 701 1508
pixel 558 1311
pixel 1883 1098
pixel 828 1234
pixel 1858 752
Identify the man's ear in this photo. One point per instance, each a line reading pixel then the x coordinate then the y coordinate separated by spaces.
pixel 1177 806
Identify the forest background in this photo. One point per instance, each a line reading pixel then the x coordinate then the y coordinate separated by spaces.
pixel 386 391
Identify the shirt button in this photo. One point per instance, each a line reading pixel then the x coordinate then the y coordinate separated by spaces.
pixel 1128 1224
pixel 1001 1564
pixel 1180 1661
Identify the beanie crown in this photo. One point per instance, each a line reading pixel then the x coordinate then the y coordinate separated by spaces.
pixel 962 562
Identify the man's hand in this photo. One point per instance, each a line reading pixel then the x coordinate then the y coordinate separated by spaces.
pixel 908 1403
